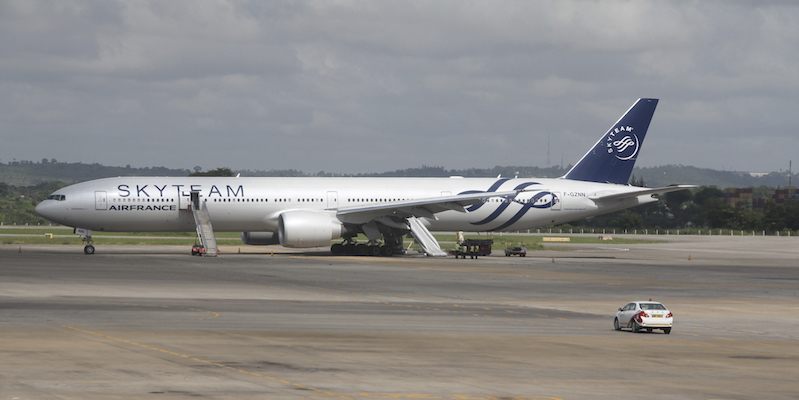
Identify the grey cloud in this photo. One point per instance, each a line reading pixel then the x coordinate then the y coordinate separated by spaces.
pixel 369 86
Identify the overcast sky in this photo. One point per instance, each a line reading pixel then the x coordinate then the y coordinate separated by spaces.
pixel 357 86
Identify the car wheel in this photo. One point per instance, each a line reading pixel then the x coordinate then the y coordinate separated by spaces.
pixel 667 330
pixel 616 325
pixel 635 326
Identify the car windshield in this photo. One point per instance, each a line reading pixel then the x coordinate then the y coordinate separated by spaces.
pixel 652 306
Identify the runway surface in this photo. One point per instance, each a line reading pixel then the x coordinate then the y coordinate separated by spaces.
pixel 152 322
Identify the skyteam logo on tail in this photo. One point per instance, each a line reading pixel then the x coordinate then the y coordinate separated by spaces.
pixel 623 143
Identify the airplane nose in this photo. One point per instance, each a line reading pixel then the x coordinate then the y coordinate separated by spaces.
pixel 48 209
pixel 41 209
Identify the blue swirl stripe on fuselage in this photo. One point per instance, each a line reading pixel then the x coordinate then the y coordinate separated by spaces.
pixel 504 206
pixel 527 207
pixel 492 189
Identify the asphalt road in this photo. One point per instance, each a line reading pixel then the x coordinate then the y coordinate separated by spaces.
pixel 152 322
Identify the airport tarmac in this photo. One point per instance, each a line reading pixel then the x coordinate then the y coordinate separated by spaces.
pixel 152 322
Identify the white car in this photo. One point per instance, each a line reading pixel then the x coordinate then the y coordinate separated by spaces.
pixel 647 315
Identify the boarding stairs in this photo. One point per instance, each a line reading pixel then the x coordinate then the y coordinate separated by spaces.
pixel 205 230
pixel 425 238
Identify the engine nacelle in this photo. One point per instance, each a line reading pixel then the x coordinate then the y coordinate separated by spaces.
pixel 308 229
pixel 259 238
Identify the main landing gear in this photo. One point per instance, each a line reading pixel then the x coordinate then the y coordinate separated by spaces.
pixel 351 248
pixel 383 241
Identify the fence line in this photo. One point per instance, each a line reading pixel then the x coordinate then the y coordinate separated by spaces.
pixel 664 232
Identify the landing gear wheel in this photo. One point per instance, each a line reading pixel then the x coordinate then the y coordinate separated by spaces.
pixel 387 251
pixel 337 249
pixel 616 325
pixel 88 249
pixel 374 250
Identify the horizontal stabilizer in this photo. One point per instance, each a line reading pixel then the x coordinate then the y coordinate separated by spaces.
pixel 600 196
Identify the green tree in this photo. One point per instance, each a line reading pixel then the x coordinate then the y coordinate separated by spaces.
pixel 215 172
pixel 749 220
pixel 763 192
pixel 774 216
pixel 716 213
pixel 677 200
pixel 628 220
pixel 706 193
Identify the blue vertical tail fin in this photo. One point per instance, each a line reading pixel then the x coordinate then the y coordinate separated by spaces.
pixel 612 158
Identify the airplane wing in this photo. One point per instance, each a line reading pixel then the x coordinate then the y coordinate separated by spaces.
pixel 605 196
pixel 417 207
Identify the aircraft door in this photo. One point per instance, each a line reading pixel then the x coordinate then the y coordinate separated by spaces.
pixel 195 200
pixel 332 200
pixel 184 199
pixel 100 200
pixel 557 203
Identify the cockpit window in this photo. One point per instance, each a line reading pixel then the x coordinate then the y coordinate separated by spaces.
pixel 57 197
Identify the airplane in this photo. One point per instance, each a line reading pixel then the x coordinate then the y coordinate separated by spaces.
pixel 312 212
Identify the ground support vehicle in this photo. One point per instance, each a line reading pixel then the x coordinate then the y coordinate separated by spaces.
pixel 473 248
pixel 520 251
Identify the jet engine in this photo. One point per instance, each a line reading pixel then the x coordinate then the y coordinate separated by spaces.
pixel 259 238
pixel 308 229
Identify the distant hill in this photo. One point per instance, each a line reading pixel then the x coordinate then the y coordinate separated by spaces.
pixel 29 173
pixel 669 174
pixel 428 171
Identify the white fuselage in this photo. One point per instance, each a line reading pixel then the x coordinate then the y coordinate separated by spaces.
pixel 149 204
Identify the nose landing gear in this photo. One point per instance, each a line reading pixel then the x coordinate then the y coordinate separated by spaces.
pixel 85 237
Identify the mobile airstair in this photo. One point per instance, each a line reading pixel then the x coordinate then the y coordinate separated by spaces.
pixel 205 231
